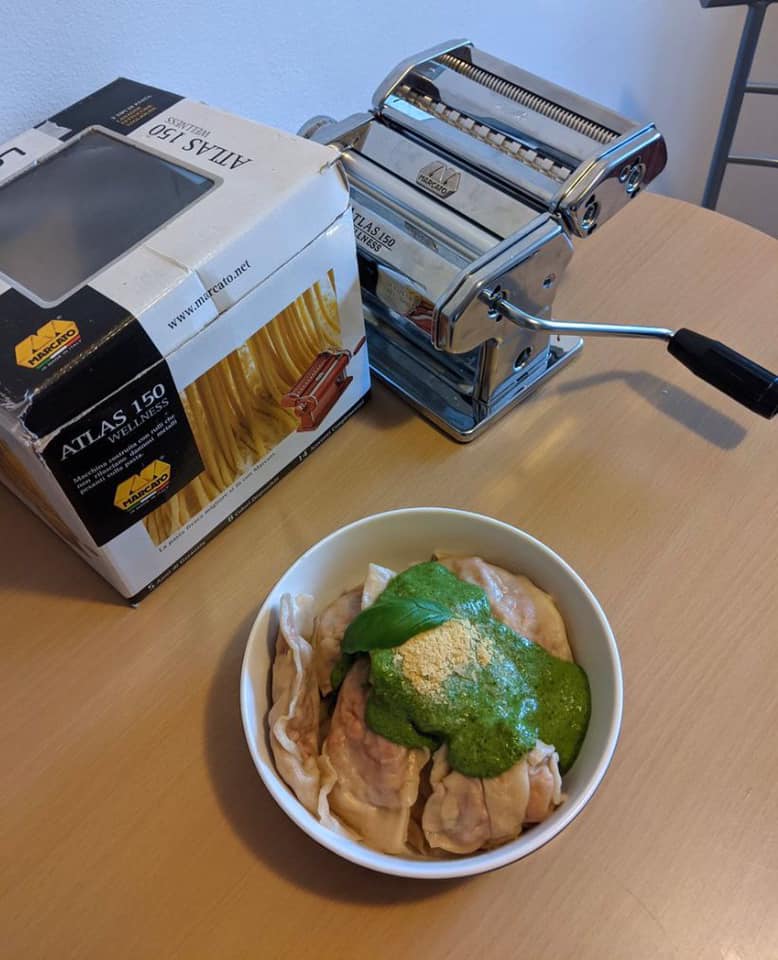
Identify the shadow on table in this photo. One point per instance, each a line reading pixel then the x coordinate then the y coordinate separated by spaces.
pixel 384 410
pixel 262 825
pixel 38 562
pixel 683 407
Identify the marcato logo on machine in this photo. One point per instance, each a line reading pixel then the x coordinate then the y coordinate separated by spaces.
pixel 42 347
pixel 439 178
pixel 136 490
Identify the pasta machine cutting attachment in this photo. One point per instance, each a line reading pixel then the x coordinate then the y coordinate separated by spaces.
pixel 470 178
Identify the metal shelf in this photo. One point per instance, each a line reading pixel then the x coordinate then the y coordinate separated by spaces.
pixel 739 86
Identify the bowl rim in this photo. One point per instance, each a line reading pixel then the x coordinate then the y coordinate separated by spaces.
pixel 467 865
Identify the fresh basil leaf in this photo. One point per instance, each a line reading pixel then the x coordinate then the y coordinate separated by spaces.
pixel 390 622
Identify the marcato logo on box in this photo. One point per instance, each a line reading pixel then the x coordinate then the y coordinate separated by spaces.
pixel 136 490
pixel 39 349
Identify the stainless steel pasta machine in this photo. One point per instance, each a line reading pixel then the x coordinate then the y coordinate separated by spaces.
pixel 470 179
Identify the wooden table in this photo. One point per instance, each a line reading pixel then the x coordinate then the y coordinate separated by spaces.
pixel 133 822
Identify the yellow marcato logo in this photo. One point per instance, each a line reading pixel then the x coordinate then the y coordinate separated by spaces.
pixel 140 487
pixel 39 349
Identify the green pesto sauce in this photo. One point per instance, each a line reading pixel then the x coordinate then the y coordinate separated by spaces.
pixel 493 716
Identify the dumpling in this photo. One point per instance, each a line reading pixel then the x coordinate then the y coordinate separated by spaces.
pixel 331 624
pixel 376 582
pixel 517 602
pixel 507 797
pixel 465 814
pixel 369 783
pixel 527 793
pixel 545 782
pixel 455 817
pixel 328 631
pixel 294 716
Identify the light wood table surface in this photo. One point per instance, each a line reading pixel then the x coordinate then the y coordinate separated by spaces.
pixel 133 822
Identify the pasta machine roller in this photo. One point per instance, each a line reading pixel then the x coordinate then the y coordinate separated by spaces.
pixel 470 179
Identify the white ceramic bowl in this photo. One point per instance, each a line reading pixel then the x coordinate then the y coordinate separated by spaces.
pixel 397 539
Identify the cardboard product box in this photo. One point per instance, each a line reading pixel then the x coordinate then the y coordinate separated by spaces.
pixel 180 321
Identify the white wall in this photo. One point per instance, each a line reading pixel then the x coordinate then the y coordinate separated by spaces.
pixel 280 62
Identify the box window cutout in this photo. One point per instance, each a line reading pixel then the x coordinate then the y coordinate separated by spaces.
pixel 68 217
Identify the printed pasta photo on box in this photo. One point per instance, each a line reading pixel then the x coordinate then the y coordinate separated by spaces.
pixel 182 321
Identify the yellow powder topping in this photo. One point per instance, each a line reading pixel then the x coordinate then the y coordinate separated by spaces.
pixel 429 659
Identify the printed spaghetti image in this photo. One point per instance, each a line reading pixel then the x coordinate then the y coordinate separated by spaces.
pixel 235 408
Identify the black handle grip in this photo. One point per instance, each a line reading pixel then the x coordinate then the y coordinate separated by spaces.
pixel 727 370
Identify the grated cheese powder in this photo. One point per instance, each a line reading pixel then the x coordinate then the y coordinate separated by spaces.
pixel 429 659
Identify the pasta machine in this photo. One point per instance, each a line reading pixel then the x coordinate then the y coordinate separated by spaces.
pixel 470 179
pixel 319 388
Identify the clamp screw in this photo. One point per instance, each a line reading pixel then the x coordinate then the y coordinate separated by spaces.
pixel 589 218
